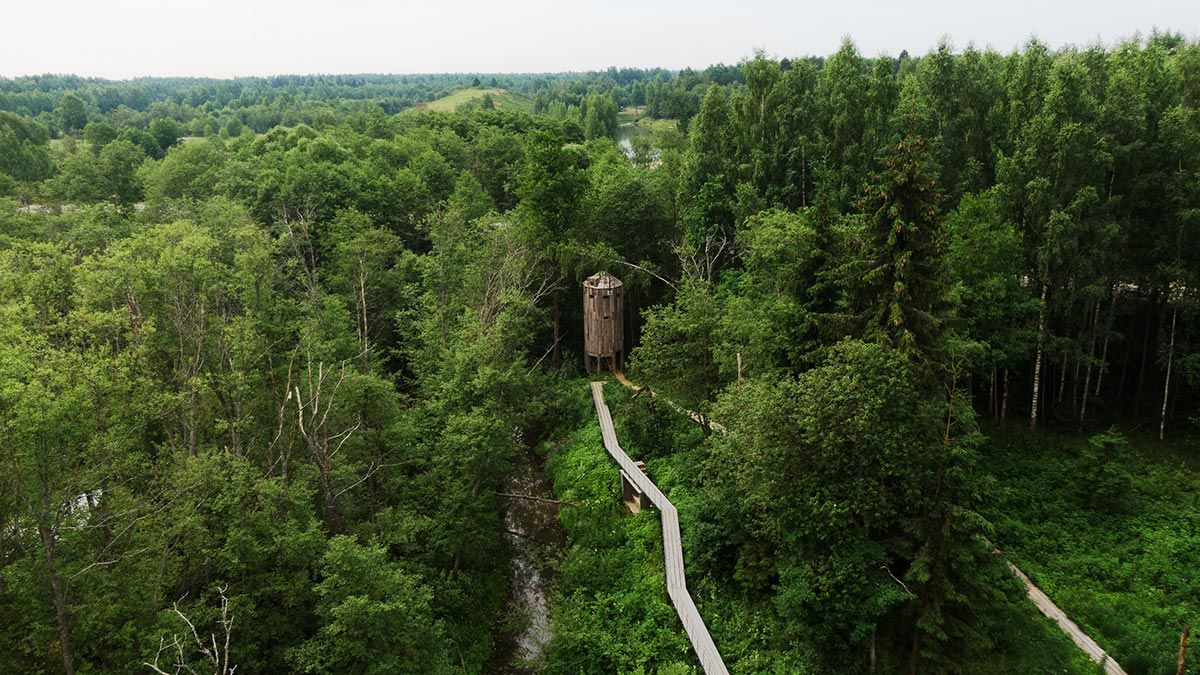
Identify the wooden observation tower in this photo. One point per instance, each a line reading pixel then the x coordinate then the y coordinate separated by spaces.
pixel 603 322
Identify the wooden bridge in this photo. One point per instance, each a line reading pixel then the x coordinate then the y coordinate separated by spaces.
pixel 701 641
pixel 697 632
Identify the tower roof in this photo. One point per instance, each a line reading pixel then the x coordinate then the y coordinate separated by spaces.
pixel 602 280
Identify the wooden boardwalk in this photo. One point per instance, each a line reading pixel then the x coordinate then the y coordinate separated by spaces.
pixel 1051 610
pixel 697 632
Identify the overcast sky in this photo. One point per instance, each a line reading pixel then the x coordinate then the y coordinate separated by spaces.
pixel 223 38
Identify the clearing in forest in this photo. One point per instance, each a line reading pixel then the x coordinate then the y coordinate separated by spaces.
pixel 503 99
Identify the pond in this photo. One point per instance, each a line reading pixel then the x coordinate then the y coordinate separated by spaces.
pixel 626 133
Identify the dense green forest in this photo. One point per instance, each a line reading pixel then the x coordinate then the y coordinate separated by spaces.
pixel 272 348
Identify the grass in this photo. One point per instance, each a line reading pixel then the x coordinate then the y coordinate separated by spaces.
pixel 503 99
pixel 629 115
pixel 657 125
pixel 636 116
pixel 1117 550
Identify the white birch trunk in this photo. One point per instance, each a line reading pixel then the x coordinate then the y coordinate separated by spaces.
pixel 1087 378
pixel 1162 422
pixel 1037 363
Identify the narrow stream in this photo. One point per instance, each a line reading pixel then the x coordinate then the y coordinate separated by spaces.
pixel 536 538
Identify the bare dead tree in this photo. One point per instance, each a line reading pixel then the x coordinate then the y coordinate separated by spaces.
pixel 313 384
pixel 314 403
pixel 283 458
pixel 297 225
pixel 512 274
pixel 214 653
pixel 649 272
pixel 701 259
pixel 189 318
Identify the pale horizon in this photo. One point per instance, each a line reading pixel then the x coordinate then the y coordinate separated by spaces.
pixel 126 39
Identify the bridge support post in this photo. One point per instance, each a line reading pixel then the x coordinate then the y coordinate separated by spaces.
pixel 634 498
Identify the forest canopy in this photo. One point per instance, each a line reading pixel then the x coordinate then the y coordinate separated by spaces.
pixel 272 349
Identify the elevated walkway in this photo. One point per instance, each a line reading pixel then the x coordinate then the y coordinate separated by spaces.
pixel 697 632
